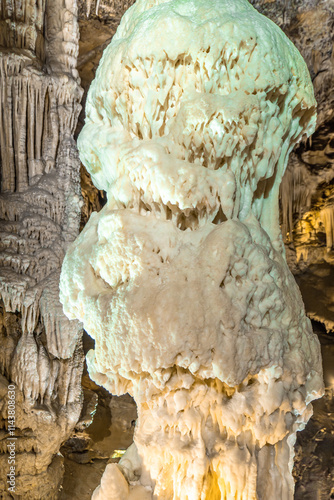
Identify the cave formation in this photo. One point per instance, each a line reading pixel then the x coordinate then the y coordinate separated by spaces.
pixel 43 210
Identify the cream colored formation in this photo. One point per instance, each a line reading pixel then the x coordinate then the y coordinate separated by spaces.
pixel 181 278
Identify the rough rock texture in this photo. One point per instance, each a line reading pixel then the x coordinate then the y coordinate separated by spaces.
pixel 41 351
pixel 98 21
pixel 181 278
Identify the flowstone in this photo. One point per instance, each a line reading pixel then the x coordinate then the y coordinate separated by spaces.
pixel 181 279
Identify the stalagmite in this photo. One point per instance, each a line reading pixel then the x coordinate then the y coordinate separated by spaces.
pixel 181 278
pixel 41 350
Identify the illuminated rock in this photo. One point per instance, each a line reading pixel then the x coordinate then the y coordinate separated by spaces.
pixel 181 279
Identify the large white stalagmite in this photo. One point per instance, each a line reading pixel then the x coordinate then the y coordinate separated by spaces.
pixel 181 279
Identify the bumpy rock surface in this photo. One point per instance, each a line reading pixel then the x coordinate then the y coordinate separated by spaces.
pixel 181 278
pixel 41 351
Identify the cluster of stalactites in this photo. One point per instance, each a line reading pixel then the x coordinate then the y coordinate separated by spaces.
pixel 300 224
pixel 295 196
pixel 40 366
pixel 47 30
pixel 327 218
pixel 44 110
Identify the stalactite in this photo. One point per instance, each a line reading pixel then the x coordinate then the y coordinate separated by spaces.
pixel 327 217
pixel 40 213
pixel 295 195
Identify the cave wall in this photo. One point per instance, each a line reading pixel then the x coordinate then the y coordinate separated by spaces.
pixel 41 351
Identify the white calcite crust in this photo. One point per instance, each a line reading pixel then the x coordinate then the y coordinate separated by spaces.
pixel 181 279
